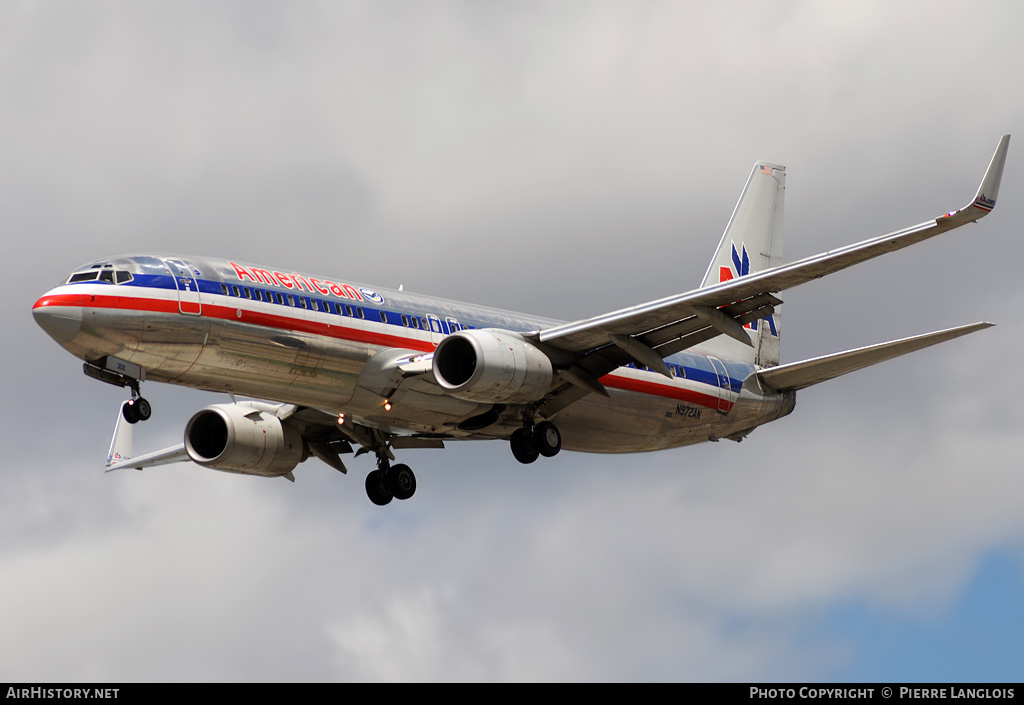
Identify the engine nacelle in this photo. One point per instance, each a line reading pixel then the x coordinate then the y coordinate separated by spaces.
pixel 490 366
pixel 244 439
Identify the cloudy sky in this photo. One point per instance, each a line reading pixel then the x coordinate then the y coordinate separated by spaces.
pixel 563 159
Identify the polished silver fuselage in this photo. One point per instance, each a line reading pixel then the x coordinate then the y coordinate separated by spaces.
pixel 298 339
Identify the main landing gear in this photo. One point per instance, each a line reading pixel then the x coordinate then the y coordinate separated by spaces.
pixel 389 482
pixel 531 442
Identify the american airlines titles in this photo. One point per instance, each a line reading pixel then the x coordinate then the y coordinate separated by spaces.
pixel 297 281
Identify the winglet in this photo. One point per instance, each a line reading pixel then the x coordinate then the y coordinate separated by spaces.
pixel 985 200
pixel 989 189
pixel 121 444
pixel 120 455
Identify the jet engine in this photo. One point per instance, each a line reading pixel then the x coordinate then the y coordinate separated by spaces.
pixel 243 439
pixel 491 366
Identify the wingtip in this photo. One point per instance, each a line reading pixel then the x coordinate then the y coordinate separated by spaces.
pixel 988 191
pixel 985 199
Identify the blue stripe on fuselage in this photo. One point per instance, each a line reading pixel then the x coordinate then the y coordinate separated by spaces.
pixel 695 368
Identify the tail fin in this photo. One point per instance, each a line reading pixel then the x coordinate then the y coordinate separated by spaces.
pixel 752 242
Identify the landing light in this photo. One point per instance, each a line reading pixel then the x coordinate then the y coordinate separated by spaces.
pixel 387 405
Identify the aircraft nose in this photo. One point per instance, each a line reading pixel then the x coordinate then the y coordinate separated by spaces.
pixel 62 323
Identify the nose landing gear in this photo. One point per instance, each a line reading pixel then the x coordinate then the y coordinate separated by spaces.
pixel 121 373
pixel 137 409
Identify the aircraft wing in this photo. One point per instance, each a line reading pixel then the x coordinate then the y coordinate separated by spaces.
pixel 651 331
pixel 324 435
pixel 174 454
pixel 122 457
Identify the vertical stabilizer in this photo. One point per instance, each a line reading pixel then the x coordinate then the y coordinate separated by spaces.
pixel 752 242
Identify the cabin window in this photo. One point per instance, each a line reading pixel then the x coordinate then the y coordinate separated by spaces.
pixel 383 316
pixel 234 288
pixel 302 302
pixel 313 305
pixel 291 300
pixel 248 293
pixel 360 311
pixel 224 289
pixel 405 320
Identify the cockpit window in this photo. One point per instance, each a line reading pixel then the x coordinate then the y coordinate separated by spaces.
pixel 83 277
pixel 104 275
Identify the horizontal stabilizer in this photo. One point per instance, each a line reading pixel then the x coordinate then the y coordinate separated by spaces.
pixel 798 375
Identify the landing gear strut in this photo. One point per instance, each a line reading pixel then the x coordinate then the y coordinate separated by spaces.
pixel 530 442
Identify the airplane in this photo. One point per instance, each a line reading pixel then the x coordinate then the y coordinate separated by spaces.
pixel 329 367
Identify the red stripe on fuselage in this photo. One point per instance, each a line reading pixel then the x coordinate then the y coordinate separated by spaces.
pixel 128 303
pixel 226 313
pixel 663 390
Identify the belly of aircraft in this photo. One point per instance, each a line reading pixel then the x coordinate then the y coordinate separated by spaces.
pixel 631 422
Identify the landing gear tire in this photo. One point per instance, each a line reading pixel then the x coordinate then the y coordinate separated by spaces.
pixel 378 489
pixel 136 410
pixel 547 439
pixel 524 446
pixel 128 412
pixel 402 481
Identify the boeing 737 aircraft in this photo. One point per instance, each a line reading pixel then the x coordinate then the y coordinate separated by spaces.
pixel 339 366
